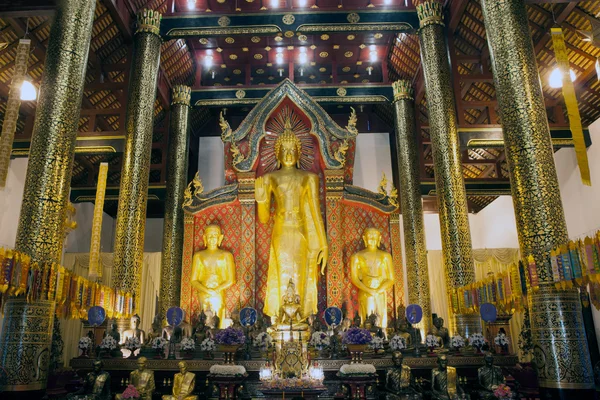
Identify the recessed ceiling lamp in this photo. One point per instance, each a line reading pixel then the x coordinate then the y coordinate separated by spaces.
pixel 556 78
pixel 302 3
pixel 387 2
pixel 274 3
pixel 28 92
pixel 191 4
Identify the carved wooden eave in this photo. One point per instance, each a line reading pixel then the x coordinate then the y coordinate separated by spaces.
pixel 216 197
pixel 365 197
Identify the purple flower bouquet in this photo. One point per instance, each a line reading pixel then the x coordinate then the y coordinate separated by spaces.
pixel 357 336
pixel 230 337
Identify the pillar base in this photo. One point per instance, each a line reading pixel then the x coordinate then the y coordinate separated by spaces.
pixel 25 345
pixel 566 394
pixel 467 324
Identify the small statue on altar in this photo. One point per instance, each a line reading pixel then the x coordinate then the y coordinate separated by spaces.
pixel 96 385
pixel 372 272
pixel 143 380
pixel 315 323
pixel 157 328
pixel 213 271
pixel 398 378
pixel 113 332
pixel 298 239
pixel 183 384
pixel 346 324
pixel 357 321
pixel 290 316
pixel 403 330
pixel 440 331
pixel 489 377
pixel 201 331
pixel 444 381
pixel 134 330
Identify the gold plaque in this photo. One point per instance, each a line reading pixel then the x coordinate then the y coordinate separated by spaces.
pixel 224 21
pixel 341 92
pixel 353 18
pixel 288 19
pixel 229 40
pixel 324 36
pixel 240 94
pixel 348 54
pixel 323 54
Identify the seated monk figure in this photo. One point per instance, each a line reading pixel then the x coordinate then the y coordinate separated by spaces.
pixel 143 380
pixel 96 385
pixel 134 330
pixel 398 378
pixel 444 381
pixel 183 384
pixel 290 312
pixel 489 377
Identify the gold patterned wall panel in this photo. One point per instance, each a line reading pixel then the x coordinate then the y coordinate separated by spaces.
pixel 177 168
pixel 410 200
pixel 40 232
pixel 133 192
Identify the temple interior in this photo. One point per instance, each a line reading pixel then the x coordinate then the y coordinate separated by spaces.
pixel 286 199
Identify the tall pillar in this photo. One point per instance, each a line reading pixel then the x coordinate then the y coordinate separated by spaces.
pixel 135 172
pixel 27 330
pixel 177 162
pixel 449 183
pixel 556 322
pixel 410 201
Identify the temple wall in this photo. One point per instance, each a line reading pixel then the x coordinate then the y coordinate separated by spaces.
pixel 10 201
pixel 211 163
pixel 372 158
pixel 79 240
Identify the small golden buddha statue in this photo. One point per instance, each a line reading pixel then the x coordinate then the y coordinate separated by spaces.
pixel 183 384
pixel 444 381
pixel 134 330
pixel 372 272
pixel 96 385
pixel 403 330
pixel 290 316
pixel 213 271
pixel 398 378
pixel 143 380
pixel 298 239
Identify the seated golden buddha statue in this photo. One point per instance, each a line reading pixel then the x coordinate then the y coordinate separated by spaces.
pixel 444 381
pixel 213 272
pixel 290 315
pixel 403 330
pixel 134 330
pixel 157 328
pixel 96 385
pixel 441 332
pixel 489 378
pixel 398 378
pixel 143 380
pixel 372 272
pixel 183 384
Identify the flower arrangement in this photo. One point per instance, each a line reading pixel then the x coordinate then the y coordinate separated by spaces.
pixel 85 343
pixel 286 383
pixel 376 343
pixel 477 340
pixel 188 344
pixel 263 341
pixel 230 337
pixel 319 340
pixel 159 343
pixel 357 336
pixel 132 344
pixel 130 393
pixel 208 345
pixel 503 392
pixel 228 370
pixel 432 341
pixel 397 343
pixel 108 343
pixel 358 369
pixel 457 342
pixel 501 340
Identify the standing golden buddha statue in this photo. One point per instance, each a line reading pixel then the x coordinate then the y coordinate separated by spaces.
pixel 213 272
pixel 372 272
pixel 298 240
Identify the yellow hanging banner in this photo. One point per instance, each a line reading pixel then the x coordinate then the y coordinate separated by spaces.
pixel 562 59
pixel 95 267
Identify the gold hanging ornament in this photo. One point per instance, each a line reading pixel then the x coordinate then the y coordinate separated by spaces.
pixel 95 267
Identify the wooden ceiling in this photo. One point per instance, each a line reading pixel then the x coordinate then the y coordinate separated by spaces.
pixel 331 59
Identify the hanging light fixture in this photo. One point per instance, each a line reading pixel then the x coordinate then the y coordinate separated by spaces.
pixel 556 78
pixel 28 92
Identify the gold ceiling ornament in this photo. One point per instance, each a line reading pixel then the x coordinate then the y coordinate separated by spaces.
pixel 269 64
pixel 278 38
pixel 194 188
pixel 290 47
pixel 203 40
pixel 430 13
pixel 260 84
pixel 224 21
pixel 233 57
pixel 336 46
pixel 221 1
pixel 237 71
pixel 268 48
pixel 357 75
pixel 229 40
pixel 219 49
pixel 343 82
pixel 289 34
pixel 240 94
pixel 312 63
pixel 362 46
pixel 312 46
pixel 346 69
pixel 245 49
pixel 365 81
pixel 350 37
pixel 359 63
pixel 227 79
pixel 323 54
pixel 217 84
pixel 352 120
pixel 270 78
pixel 288 19
pixel 302 38
pixel 260 71
pixel 353 18
pixel 312 77
pixel 94 267
pixel 322 69
pixel 255 39
pixel 378 36
pixel 341 92
pixel 148 21
pixel 322 82
pixel 348 54
pixel 258 56
pixel 324 36
pixel 226 131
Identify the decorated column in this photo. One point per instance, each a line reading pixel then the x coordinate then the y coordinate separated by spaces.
pixel 556 322
pixel 449 184
pixel 170 270
pixel 27 330
pixel 410 201
pixel 133 193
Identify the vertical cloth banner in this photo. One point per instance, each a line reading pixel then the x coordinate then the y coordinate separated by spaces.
pixel 11 115
pixel 568 90
pixel 95 269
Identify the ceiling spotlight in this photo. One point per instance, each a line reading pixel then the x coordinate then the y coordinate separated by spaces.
pixel 279 58
pixel 302 3
pixel 556 78
pixel 208 61
pixel 28 92
pixel 373 56
pixel 274 3
pixel 191 4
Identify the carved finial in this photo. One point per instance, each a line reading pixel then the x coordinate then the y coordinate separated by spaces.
pixel 226 132
pixel 403 90
pixel 340 153
pixel 181 94
pixel 148 21
pixel 194 188
pixel 430 13
pixel 351 127
pixel 383 185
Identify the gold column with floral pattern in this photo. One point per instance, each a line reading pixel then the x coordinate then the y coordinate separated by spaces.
pixel 449 183
pixel 556 323
pixel 135 172
pixel 170 270
pixel 410 201
pixel 27 331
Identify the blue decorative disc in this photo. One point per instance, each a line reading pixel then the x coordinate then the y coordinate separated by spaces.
pixel 488 312
pixel 175 316
pixel 96 315
pixel 248 316
pixel 333 316
pixel 414 313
